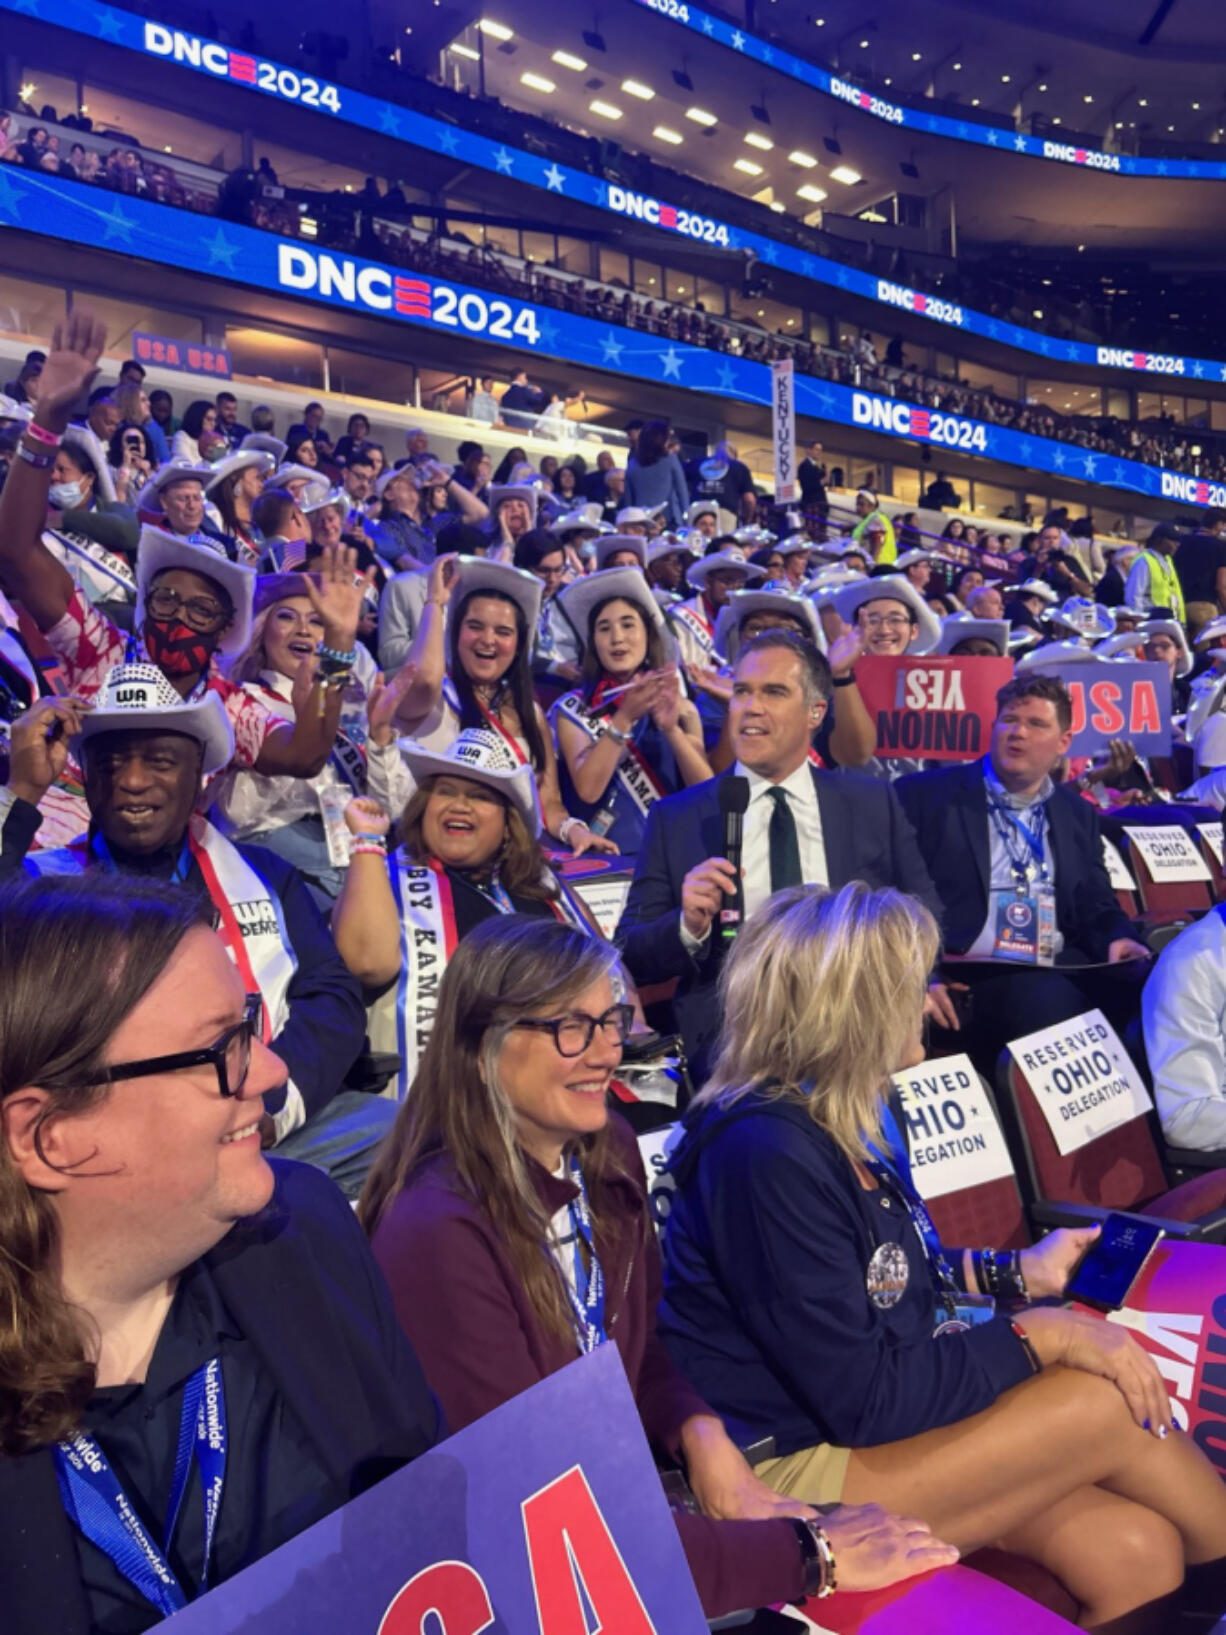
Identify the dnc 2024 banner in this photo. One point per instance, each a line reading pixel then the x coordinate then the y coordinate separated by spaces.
pixel 55 207
pixel 167 47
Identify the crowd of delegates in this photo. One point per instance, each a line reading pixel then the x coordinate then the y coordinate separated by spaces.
pixel 365 222
pixel 301 745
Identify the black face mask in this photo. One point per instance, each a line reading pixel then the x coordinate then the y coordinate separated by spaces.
pixel 176 648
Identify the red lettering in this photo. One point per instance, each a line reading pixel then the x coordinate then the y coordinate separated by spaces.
pixel 173 355
pixel 159 351
pixel 1145 715
pixel 451 1592
pixel 193 357
pixel 1105 702
pixel 1077 693
pixel 569 1543
pixel 142 348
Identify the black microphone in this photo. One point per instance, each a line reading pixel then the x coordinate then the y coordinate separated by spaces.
pixel 733 804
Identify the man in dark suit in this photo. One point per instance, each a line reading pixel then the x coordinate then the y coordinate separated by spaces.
pixel 802 825
pixel 999 838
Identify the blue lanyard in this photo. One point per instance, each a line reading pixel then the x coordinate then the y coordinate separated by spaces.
pixel 587 1297
pixel 1009 826
pixel 97 1504
pixel 497 893
pixel 102 852
pixel 893 1172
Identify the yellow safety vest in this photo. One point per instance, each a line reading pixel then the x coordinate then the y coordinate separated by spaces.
pixel 1164 579
pixel 889 543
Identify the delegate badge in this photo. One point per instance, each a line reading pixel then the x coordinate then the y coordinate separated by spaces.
pixel 888 1273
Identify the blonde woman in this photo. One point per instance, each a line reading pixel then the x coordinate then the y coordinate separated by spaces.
pixel 809 1300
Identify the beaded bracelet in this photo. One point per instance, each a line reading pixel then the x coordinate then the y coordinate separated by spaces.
pixel 40 434
pixel 369 845
pixel 348 659
pixel 999 1273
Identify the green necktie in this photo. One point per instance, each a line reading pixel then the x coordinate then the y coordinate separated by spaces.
pixel 784 845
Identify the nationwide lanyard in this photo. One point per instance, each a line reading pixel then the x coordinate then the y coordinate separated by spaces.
pixel 884 1171
pixel 587 1296
pixel 96 1503
pixel 1011 828
pixel 496 892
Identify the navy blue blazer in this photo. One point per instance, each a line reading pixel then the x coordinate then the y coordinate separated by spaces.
pixel 866 838
pixel 766 1307
pixel 303 1287
pixel 948 810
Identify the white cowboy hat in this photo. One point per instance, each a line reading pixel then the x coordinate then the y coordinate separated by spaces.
pixel 10 409
pixel 893 587
pixel 732 556
pixel 1215 630
pixel 1037 587
pixel 960 627
pixel 581 596
pixel 242 460
pixel 89 443
pixel 583 519
pixel 753 538
pixel 637 513
pixel 910 559
pixel 484 756
pixel 1087 618
pixel 528 492
pixel 1055 655
pixel 1205 700
pixel 139 697
pixel 794 545
pixel 159 551
pixel 477 573
pixel 671 545
pixel 317 485
pixel 702 508
pixel 1131 640
pixel 171 471
pixel 264 443
pixel 742 603
pixel 310 503
pixel 609 544
pixel 826 582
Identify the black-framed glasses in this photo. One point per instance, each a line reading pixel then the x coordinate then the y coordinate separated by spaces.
pixel 230 1056
pixel 574 1033
pixel 200 612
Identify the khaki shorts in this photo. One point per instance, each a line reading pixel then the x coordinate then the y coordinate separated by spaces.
pixel 813 1475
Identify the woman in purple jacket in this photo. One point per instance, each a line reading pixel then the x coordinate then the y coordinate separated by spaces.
pixel 509 1214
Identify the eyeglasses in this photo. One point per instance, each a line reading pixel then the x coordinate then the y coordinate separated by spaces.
pixel 200 612
pixel 230 1056
pixel 886 621
pixel 574 1033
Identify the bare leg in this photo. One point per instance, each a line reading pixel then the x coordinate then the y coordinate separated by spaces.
pixel 1139 1558
pixel 980 1480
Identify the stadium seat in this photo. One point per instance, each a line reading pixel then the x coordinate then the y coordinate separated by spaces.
pixel 1166 906
pixel 1120 1171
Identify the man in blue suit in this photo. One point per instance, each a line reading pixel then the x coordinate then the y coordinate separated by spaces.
pixel 1001 839
pixel 801 826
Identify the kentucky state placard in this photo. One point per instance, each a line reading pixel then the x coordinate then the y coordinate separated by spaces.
pixel 1083 1079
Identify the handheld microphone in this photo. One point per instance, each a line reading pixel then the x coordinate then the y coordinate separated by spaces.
pixel 733 803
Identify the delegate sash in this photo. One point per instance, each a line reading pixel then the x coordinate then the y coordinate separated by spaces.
pixel 428 938
pixel 251 923
pixel 101 575
pixel 690 622
pixel 633 774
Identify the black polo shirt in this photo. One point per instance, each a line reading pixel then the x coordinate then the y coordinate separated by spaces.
pixel 275 1485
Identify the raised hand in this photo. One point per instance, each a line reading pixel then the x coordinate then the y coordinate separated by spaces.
pixel 844 648
pixel 384 703
pixel 339 596
pixel 38 745
pixel 77 343
pixel 442 576
pixel 364 816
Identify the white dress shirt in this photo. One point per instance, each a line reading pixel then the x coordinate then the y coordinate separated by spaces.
pixel 1183 1009
pixel 755 849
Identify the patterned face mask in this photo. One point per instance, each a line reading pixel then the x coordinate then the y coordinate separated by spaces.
pixel 176 648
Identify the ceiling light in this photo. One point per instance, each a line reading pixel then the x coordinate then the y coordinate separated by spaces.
pixel 819 22
pixel 846 175
pixel 778 207
pixel 1196 105
pixel 1005 78
pixel 747 167
pixel 957 67
pixel 1170 128
pixel 462 50
pixel 27 91
pixel 1057 120
pixel 864 45
pixel 888 81
pixel 564 59
pixel 1142 102
pixel 538 82
pixel 815 195
pixel 1087 97
pixel 498 31
pixel 606 110
pixel 635 88
pixel 916 56
pixel 700 116
pixel 663 133
pixel 1038 312
pixel 974 102
pixel 757 140
pixel 799 157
